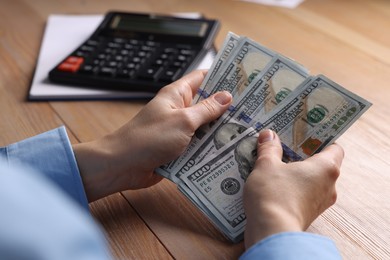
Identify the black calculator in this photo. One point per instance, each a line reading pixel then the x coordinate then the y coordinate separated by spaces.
pixel 137 52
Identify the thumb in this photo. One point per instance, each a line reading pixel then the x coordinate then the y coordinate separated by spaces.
pixel 211 108
pixel 269 146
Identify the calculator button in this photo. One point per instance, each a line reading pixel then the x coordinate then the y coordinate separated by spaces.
pixel 68 67
pixel 151 43
pixel 124 52
pixel 107 71
pixel 97 62
pixel 92 43
pixel 135 42
pixel 119 40
pixel 147 48
pixel 86 48
pixel 112 64
pixel 87 69
pixel 151 73
pixel 142 54
pixel 118 58
pixel 132 66
pixel 170 74
pixel 181 58
pixel 164 56
pixel 102 56
pixel 125 73
pixel 129 46
pixel 137 60
pixel 178 64
pixel 109 51
pixel 186 52
pixel 71 64
pixel 80 53
pixel 159 62
pixel 74 60
pixel 114 45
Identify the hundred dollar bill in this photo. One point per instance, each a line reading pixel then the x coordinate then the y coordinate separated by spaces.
pixel 309 121
pixel 216 185
pixel 315 118
pixel 248 60
pixel 222 56
pixel 203 208
pixel 235 237
pixel 265 93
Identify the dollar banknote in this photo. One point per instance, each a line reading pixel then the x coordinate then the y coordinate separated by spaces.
pixel 315 117
pixel 222 56
pixel 222 197
pixel 279 79
pixel 312 119
pixel 269 91
pixel 249 59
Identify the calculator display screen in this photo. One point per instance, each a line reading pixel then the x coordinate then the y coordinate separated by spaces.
pixel 191 28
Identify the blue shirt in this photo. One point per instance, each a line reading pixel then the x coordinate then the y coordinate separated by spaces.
pixel 44 210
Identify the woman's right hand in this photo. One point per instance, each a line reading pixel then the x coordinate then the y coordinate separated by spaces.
pixel 282 197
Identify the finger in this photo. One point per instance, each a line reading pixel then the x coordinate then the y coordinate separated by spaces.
pixel 196 81
pixel 210 108
pixel 191 81
pixel 269 146
pixel 181 92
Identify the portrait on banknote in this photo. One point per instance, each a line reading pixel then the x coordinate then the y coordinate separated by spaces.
pixel 245 155
pixel 226 133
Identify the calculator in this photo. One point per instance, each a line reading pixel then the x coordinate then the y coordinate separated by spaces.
pixel 137 52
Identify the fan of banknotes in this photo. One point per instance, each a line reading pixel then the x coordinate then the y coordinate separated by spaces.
pixel 269 91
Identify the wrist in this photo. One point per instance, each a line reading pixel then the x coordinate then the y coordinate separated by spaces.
pixel 95 167
pixel 115 163
pixel 267 221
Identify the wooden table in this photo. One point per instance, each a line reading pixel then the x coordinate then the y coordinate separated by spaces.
pixel 346 40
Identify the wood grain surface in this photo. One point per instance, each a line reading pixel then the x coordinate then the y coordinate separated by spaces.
pixel 348 41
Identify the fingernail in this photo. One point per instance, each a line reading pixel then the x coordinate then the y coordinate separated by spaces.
pixel 266 136
pixel 223 97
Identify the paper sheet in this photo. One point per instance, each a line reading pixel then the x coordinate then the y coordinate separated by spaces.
pixel 282 3
pixel 63 34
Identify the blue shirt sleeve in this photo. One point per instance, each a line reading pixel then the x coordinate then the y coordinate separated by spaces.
pixel 293 245
pixel 39 222
pixel 50 154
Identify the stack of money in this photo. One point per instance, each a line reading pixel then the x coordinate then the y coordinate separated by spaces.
pixel 269 91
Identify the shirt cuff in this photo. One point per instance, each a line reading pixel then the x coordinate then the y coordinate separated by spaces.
pixel 51 155
pixel 293 245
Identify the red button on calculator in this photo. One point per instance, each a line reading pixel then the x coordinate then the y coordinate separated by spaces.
pixel 71 64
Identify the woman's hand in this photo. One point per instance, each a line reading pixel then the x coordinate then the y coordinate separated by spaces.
pixel 280 197
pixel 158 134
